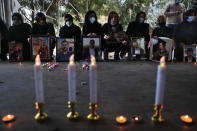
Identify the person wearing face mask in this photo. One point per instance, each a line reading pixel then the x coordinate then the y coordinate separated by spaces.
pixel 91 27
pixel 70 30
pixel 139 28
pixel 185 32
pixel 174 13
pixel 161 31
pixel 42 27
pixel 20 32
pixel 110 32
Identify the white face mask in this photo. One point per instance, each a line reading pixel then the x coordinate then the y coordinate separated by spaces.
pixel 177 1
pixel 191 18
pixel 69 23
pixel 154 41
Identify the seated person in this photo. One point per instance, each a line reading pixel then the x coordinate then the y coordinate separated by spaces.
pixel 139 28
pixel 90 51
pixel 190 58
pixel 185 32
pixel 110 34
pixel 161 51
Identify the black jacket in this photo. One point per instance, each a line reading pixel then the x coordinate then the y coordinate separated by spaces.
pixel 136 29
pixel 162 32
pixel 92 28
pixel 73 32
pixel 46 29
pixel 186 32
pixel 21 33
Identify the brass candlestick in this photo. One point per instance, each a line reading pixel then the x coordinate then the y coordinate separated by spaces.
pixel 93 115
pixel 157 117
pixel 72 115
pixel 41 115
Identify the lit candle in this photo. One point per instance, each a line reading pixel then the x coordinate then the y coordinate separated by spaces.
pixel 71 80
pixel 38 80
pixel 93 80
pixel 121 119
pixel 161 76
pixel 186 119
pixel 136 118
pixel 8 118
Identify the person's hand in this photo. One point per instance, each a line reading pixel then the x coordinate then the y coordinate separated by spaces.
pixel 13 42
pixel 89 34
pixel 106 37
pixel 124 42
pixel 94 34
pixel 178 12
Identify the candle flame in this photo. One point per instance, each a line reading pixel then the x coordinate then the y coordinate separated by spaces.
pixel 37 60
pixel 121 117
pixel 93 60
pixel 162 61
pixel 9 116
pixel 186 116
pixel 72 60
pixel 136 118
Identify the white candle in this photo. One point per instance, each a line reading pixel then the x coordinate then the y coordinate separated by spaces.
pixel 161 77
pixel 71 80
pixel 93 80
pixel 38 80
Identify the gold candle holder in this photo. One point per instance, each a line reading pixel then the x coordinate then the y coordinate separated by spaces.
pixel 93 115
pixel 41 115
pixel 157 117
pixel 72 115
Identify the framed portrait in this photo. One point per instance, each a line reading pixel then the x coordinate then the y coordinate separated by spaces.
pixel 163 43
pixel 64 48
pixel 92 42
pixel 16 52
pixel 40 45
pixel 190 53
pixel 138 44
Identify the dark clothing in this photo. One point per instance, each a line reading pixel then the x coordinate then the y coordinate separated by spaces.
pixel 4 40
pixel 184 32
pixel 162 32
pixel 46 29
pixel 21 33
pixel 73 32
pixel 112 44
pixel 136 29
pixel 92 28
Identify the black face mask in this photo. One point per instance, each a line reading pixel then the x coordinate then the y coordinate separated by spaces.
pixel 162 24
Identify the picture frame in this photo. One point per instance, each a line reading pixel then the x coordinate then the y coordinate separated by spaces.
pixel 16 52
pixel 138 46
pixel 168 48
pixel 40 44
pixel 97 40
pixel 190 53
pixel 64 48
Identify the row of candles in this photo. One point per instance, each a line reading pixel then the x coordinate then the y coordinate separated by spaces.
pixel 159 96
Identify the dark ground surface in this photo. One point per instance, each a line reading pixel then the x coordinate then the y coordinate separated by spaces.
pixel 124 88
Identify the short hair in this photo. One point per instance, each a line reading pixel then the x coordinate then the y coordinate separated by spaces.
pixel 18 15
pixel 68 16
pixel 111 15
